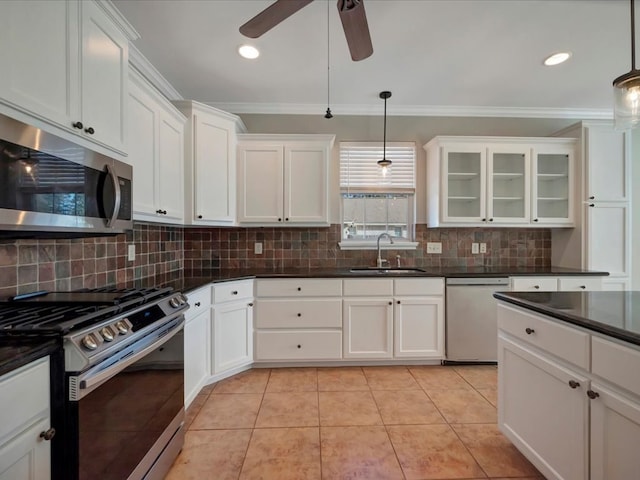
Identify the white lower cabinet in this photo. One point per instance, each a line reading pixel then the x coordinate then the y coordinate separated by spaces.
pixel 298 319
pixel 24 399
pixel 574 418
pixel 404 319
pixel 541 413
pixel 232 334
pixel 368 328
pixel 197 349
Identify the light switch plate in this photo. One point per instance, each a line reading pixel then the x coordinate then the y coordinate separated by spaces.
pixel 474 248
pixel 483 248
pixel 434 247
pixel 257 248
pixel 131 252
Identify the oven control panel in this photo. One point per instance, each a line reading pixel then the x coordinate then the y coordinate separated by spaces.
pixel 107 334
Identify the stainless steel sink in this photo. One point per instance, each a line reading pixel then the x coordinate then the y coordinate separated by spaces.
pixel 385 271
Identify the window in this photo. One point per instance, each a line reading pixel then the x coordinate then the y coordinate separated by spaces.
pixel 373 202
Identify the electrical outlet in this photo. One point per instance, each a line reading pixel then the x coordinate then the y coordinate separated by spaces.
pixel 474 248
pixel 131 252
pixel 483 248
pixel 257 248
pixel 434 247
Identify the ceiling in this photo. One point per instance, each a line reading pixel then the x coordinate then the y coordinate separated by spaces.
pixel 437 57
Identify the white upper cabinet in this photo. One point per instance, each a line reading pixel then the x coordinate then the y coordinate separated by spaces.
pixel 156 152
pixel 606 164
pixel 70 72
pixel 284 179
pixel 504 181
pixel 210 164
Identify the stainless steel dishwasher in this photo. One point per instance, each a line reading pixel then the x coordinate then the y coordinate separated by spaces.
pixel 472 326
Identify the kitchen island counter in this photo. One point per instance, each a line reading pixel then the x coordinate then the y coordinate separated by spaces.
pixel 616 314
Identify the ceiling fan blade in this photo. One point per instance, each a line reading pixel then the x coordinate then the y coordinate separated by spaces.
pixel 272 16
pixel 356 28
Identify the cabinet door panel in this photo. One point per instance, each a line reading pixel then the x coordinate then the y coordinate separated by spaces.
pixel 171 166
pixel 26 456
pixel 260 171
pixel 464 184
pixel 368 328
pixel 232 336
pixel 104 52
pixel 615 436
pixel 608 249
pixel 197 357
pixel 606 160
pixel 47 84
pixel 552 199
pixel 305 182
pixel 142 151
pixel 534 399
pixel 213 173
pixel 508 184
pixel 419 327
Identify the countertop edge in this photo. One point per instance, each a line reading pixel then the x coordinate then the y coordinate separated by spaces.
pixel 579 321
pixel 19 359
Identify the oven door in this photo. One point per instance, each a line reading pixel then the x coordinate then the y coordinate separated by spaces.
pixel 126 413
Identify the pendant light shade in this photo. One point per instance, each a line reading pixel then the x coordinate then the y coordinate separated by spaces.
pixel 626 89
pixel 384 162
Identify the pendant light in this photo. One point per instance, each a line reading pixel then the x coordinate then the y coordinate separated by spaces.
pixel 328 114
pixel 626 89
pixel 384 162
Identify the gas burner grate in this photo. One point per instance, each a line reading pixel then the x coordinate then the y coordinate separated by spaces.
pixel 126 294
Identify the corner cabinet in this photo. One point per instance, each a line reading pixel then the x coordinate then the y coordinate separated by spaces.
pixel 69 75
pixel 156 153
pixel 25 449
pixel 284 179
pixel 197 347
pixel 210 164
pixel 500 181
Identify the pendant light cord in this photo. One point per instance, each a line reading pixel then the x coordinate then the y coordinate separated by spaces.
pixel 384 135
pixel 328 60
pixel 633 36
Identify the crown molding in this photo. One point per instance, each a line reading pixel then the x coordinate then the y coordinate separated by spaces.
pixel 148 71
pixel 116 17
pixel 416 111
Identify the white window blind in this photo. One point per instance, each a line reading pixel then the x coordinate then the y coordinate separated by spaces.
pixel 359 168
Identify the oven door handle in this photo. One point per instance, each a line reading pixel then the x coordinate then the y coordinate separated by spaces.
pixel 83 384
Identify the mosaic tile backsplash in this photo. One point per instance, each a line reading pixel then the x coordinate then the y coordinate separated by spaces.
pixel 167 252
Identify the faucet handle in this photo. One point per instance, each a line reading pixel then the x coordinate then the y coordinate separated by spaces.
pixel 381 262
pixel 398 257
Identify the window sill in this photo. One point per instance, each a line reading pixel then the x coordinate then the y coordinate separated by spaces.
pixel 371 245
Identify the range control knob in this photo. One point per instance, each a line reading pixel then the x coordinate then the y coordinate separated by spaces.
pixel 107 334
pixel 122 327
pixel 174 302
pixel 89 342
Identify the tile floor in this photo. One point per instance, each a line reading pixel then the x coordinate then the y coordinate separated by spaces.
pixel 414 423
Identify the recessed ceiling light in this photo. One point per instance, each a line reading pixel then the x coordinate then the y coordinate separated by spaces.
pixel 248 51
pixel 557 58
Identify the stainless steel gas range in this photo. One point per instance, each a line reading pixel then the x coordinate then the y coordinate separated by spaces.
pixel 121 410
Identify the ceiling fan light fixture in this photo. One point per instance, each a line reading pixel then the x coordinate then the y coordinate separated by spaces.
pixel 626 89
pixel 248 51
pixel 557 58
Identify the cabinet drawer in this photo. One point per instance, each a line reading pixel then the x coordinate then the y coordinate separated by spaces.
pixel 368 287
pixel 534 284
pixel 224 292
pixel 564 342
pixel 579 284
pixel 303 313
pixel 616 363
pixel 298 345
pixel 418 286
pixel 24 393
pixel 302 287
pixel 199 300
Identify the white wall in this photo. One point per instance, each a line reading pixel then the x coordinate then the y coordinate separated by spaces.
pixel 399 129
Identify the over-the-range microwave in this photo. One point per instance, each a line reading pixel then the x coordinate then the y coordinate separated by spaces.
pixel 52 187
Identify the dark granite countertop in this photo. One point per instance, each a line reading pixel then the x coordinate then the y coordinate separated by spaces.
pixel 191 282
pixel 616 314
pixel 16 351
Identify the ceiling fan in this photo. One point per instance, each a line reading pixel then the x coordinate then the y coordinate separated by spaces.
pixel 352 14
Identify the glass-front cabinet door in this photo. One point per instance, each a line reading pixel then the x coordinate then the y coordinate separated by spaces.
pixel 508 184
pixel 552 195
pixel 464 184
